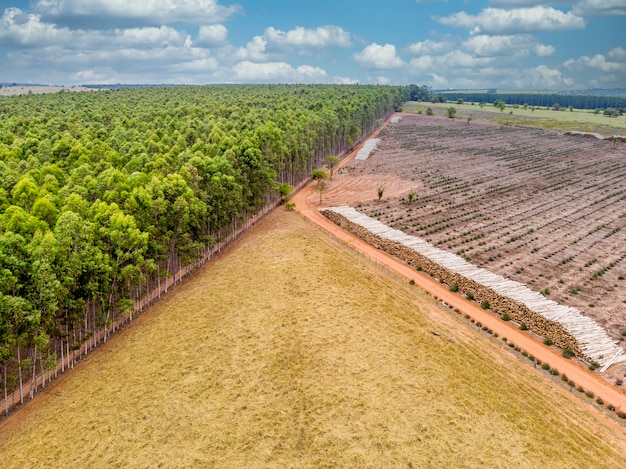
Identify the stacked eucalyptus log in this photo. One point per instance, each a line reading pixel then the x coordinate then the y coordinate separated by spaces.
pixel 566 327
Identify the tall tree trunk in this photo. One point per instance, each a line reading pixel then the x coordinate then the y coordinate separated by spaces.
pixel 33 375
pixel 6 397
pixel 43 370
pixel 62 358
pixel 19 371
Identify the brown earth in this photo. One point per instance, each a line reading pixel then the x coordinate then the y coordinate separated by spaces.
pixel 381 168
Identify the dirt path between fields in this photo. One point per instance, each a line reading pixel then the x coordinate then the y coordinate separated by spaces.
pixel 307 203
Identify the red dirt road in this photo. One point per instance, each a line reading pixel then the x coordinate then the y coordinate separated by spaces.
pixel 307 203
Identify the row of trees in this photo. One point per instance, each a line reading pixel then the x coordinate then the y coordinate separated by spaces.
pixel 540 99
pixel 107 196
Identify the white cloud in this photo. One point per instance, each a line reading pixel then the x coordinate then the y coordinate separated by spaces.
pixel 211 35
pixel 422 64
pixel 460 59
pixel 379 57
pixel 278 72
pixel 321 37
pixel 542 77
pixel 618 54
pixel 527 3
pixel 479 72
pixel 254 50
pixel 205 64
pixel 345 81
pixel 600 8
pixel 519 20
pixel 608 69
pixel 586 8
pixel 429 47
pixel 437 80
pixel 156 12
pixel 22 30
pixel 137 37
pixel 512 45
pixel 541 50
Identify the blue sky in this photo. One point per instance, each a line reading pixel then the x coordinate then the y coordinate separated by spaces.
pixel 506 44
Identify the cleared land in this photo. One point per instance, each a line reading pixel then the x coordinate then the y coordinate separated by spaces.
pixel 550 214
pixel 28 89
pixel 290 350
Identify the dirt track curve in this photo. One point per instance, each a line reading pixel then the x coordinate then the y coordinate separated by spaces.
pixel 307 203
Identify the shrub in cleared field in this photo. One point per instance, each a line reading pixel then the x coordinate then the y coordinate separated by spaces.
pixel 506 317
pixel 523 327
pixel 547 342
pixel 484 305
pixel 567 353
pixel 545 366
pixel 454 288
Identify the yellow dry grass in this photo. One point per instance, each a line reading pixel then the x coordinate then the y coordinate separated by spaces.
pixel 290 350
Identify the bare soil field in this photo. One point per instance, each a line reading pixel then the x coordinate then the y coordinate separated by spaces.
pixel 292 350
pixel 533 205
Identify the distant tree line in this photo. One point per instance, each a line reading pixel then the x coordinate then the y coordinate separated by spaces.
pixel 107 196
pixel 541 99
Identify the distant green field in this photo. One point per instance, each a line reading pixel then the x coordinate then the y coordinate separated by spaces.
pixel 577 119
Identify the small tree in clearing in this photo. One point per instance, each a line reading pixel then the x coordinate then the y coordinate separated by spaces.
pixel 320 175
pixel 411 196
pixel 469 119
pixel 380 190
pixel 331 161
pixel 451 112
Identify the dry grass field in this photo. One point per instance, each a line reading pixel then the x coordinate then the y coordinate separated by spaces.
pixel 28 89
pixel 290 350
pixel 582 120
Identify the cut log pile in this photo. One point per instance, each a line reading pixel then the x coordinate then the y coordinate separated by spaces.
pixel 368 147
pixel 565 326
pixel 614 138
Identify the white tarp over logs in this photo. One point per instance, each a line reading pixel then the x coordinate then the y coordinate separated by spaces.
pixel 368 147
pixel 593 340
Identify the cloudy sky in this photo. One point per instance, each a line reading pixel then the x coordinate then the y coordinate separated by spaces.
pixel 507 44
